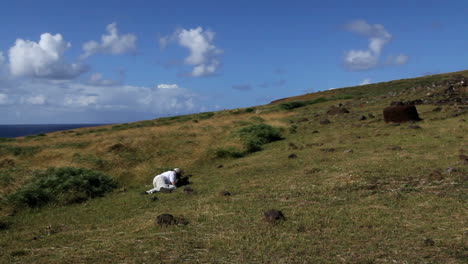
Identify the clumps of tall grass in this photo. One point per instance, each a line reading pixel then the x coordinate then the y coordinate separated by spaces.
pixel 297 104
pixel 92 160
pixel 19 151
pixel 65 185
pixel 4 139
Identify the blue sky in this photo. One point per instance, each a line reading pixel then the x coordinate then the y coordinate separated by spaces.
pixel 121 61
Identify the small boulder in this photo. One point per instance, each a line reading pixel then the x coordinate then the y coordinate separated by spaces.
pixel 292 156
pixel 463 158
pixel 400 113
pixel 154 198
pixel 165 220
pixel 325 121
pixel 273 216
pixel 337 110
pixel 315 132
pixel 362 118
pixel 225 193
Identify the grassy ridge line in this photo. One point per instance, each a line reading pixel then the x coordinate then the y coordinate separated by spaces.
pixel 378 204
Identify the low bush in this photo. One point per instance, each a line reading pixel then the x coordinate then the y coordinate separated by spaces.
pixel 297 104
pixel 4 139
pixel 250 109
pixel 62 185
pixel 254 136
pixel 229 152
pixel 18 151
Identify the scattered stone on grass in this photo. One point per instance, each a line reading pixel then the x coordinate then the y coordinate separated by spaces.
pixel 395 148
pixel 165 220
pixel 325 121
pixel 400 114
pixel 302 120
pixel 337 110
pixel 451 170
pixel 312 171
pixel 414 127
pixel 362 118
pixel 225 193
pixel 315 132
pixel 292 146
pixel 436 175
pixel 463 158
pixel 429 242
pixel 119 147
pixel 273 216
pixel 7 163
pixel 348 151
pixel 328 150
pixel 154 198
pixel 188 190
pixel 292 156
pixel 220 166
pixel 4 225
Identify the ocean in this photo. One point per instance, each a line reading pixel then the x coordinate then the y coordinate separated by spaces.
pixel 11 131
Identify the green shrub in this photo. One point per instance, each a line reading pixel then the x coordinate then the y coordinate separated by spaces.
pixel 292 105
pixel 297 104
pixel 19 151
pixel 257 119
pixel 249 110
pixel 205 115
pixel 4 139
pixel 63 185
pixel 254 136
pixel 229 152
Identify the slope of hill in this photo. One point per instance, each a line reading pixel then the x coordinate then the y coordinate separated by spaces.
pixel 353 190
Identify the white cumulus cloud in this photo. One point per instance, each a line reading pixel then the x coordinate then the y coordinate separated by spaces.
pixel 43 59
pixel 36 100
pixel 167 86
pixel 365 81
pixel 397 60
pixel 3 98
pixel 378 37
pixel 97 79
pixel 203 56
pixel 111 42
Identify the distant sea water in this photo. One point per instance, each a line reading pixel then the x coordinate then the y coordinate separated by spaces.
pixel 11 131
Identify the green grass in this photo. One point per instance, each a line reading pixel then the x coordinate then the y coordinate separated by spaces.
pixel 374 204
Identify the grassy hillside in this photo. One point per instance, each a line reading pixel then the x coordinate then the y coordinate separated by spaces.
pixel 352 191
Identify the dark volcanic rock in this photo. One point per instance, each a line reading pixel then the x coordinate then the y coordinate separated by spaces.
pixel 154 198
pixel 273 216
pixel 325 121
pixel 401 113
pixel 225 193
pixel 362 118
pixel 165 219
pixel 463 158
pixel 292 156
pixel 315 132
pixel 292 146
pixel 337 110
pixel 119 147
